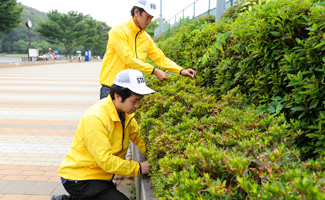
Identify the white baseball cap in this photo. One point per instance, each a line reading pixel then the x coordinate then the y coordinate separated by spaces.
pixel 149 6
pixel 133 80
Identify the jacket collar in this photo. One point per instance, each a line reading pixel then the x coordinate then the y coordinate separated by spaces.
pixel 113 112
pixel 134 27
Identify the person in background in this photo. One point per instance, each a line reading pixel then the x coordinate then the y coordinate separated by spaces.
pixel 101 141
pixel 129 45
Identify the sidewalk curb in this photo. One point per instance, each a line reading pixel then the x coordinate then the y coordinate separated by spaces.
pixel 144 189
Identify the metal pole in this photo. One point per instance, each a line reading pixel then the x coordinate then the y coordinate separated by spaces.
pixel 209 8
pixel 29 43
pixel 160 20
pixel 29 36
pixel 194 10
pixel 220 9
pixel 216 11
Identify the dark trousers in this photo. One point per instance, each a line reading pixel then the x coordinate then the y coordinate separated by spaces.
pixel 104 91
pixel 92 190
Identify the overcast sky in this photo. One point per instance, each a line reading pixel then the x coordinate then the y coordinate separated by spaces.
pixel 114 12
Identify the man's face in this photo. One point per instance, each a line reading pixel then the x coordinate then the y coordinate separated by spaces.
pixel 131 104
pixel 142 21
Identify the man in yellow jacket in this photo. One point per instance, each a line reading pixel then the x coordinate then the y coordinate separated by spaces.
pixel 101 141
pixel 129 46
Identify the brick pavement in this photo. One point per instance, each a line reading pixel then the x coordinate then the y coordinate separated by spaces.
pixel 40 107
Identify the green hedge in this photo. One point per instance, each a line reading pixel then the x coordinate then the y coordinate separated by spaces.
pixel 245 126
pixel 274 50
pixel 204 148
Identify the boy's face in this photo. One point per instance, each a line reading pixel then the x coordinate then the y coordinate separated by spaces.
pixel 130 105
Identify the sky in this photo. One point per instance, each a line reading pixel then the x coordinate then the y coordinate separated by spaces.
pixel 114 12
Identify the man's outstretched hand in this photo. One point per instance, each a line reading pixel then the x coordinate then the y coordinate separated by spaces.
pixel 188 72
pixel 161 75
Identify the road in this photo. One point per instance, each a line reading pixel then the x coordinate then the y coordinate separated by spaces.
pixel 40 107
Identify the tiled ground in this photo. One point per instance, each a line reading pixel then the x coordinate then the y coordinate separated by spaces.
pixel 40 107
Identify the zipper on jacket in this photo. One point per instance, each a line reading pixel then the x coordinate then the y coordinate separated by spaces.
pixel 136 53
pixel 124 134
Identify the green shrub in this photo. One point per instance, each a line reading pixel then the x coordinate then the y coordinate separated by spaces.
pixel 281 60
pixel 191 44
pixel 204 148
pixel 210 142
pixel 274 50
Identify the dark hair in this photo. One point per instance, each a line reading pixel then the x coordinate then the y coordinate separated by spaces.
pixel 133 9
pixel 123 92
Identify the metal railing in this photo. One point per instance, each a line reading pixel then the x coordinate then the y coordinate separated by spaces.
pixel 197 9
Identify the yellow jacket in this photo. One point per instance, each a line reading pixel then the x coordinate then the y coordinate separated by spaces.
pixel 100 145
pixel 128 48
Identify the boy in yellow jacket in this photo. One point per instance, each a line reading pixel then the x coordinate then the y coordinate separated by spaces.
pixel 101 141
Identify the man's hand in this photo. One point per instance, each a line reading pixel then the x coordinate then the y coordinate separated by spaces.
pixel 161 75
pixel 145 167
pixel 188 72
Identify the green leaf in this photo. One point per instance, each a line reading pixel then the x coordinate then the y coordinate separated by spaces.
pixel 287 58
pixel 223 40
pixel 227 34
pixel 320 125
pixel 275 33
pixel 299 41
pixel 219 37
pixel 313 127
pixel 214 50
pixel 300 76
pixel 271 109
pixel 277 98
pixel 314 27
pixel 319 45
pixel 314 103
pixel 298 108
pixel 313 135
pixel 218 46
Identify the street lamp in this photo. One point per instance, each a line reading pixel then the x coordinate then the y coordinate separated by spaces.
pixel 29 25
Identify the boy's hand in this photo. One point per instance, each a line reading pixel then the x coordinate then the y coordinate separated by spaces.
pixel 145 167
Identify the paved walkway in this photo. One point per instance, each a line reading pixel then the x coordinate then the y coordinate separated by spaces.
pixel 40 107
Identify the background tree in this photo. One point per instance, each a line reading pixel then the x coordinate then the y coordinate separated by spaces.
pixel 151 28
pixel 10 15
pixel 66 29
pixel 74 30
pixel 96 36
pixel 21 33
pixel 87 40
pixel 102 38
pixel 17 46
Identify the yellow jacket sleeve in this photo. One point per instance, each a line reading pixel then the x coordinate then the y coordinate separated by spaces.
pixel 157 56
